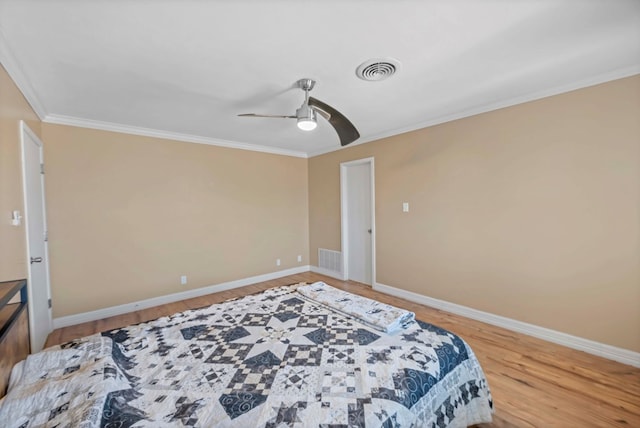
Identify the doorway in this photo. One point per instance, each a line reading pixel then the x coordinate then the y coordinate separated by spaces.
pixel 39 294
pixel 357 195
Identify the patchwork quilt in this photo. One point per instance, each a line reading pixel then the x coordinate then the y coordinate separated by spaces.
pixel 274 359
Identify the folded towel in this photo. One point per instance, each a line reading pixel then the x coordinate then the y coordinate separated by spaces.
pixel 375 314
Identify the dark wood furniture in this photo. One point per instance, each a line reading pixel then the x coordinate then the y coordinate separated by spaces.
pixel 14 328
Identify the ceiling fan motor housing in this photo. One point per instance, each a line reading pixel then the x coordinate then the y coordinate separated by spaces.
pixel 306 84
pixel 306 116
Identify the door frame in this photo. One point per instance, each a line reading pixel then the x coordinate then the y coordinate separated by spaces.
pixel 26 132
pixel 344 218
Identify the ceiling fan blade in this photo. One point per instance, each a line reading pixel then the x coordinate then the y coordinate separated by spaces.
pixel 277 116
pixel 345 129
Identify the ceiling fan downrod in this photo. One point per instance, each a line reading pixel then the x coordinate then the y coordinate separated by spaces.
pixel 306 116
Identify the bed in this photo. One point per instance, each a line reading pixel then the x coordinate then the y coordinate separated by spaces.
pixel 293 356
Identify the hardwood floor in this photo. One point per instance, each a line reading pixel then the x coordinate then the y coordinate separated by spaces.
pixel 534 383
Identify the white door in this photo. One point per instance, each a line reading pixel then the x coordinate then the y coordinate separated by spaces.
pixel 358 220
pixel 35 223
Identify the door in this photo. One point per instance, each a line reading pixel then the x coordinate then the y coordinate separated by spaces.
pixel 358 220
pixel 35 223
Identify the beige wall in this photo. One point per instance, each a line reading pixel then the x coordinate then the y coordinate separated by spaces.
pixel 128 215
pixel 530 212
pixel 13 109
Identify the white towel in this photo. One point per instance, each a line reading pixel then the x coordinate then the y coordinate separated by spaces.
pixel 375 314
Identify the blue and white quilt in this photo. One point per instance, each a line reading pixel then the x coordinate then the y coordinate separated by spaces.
pixel 274 359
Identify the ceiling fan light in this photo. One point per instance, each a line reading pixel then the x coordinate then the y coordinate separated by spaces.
pixel 306 118
pixel 307 124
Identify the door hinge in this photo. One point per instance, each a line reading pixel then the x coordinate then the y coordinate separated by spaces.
pixel 46 236
pixel 41 168
pixel 49 303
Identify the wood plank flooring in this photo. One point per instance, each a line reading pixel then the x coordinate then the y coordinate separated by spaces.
pixel 534 383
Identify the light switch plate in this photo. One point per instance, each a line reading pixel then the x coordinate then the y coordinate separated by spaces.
pixel 405 207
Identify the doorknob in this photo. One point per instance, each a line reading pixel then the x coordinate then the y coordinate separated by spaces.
pixel 369 230
pixel 36 260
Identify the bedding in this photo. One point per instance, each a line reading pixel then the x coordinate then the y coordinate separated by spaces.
pixel 274 359
pixel 375 314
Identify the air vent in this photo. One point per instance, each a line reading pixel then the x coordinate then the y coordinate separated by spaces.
pixel 377 69
pixel 330 260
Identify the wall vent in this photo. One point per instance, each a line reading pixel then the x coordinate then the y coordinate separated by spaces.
pixel 330 260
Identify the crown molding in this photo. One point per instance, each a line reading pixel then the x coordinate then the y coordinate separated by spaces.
pixel 15 71
pixel 557 90
pixel 156 133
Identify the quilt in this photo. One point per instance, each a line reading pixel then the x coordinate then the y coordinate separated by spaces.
pixel 274 359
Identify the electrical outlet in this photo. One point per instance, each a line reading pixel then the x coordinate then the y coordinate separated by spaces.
pixel 299 258
pixel 183 279
pixel 277 262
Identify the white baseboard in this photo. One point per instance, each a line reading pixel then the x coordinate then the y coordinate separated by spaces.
pixel 327 272
pixel 600 349
pixel 170 298
pixel 603 350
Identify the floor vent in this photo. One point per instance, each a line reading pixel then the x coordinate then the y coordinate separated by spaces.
pixel 330 260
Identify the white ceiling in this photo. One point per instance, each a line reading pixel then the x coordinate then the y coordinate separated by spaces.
pixel 185 69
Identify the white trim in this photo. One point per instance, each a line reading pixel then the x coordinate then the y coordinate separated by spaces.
pixel 156 133
pixel 170 298
pixel 326 272
pixel 15 71
pixel 484 108
pixel 600 349
pixel 344 224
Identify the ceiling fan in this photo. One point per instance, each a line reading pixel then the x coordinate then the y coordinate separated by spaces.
pixel 307 118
